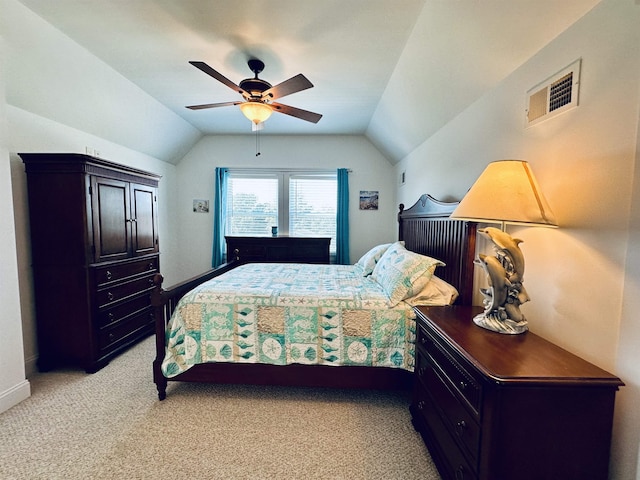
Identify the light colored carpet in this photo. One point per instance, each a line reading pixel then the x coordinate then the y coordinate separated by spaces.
pixel 111 425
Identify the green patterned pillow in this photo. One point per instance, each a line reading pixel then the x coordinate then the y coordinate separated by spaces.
pixel 368 260
pixel 402 273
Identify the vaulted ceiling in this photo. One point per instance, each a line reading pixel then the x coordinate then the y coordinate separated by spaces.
pixel 393 70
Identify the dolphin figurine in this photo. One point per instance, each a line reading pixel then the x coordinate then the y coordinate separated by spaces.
pixel 496 294
pixel 506 243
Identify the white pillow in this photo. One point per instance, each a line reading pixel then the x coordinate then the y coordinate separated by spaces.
pixel 368 260
pixel 436 292
pixel 402 273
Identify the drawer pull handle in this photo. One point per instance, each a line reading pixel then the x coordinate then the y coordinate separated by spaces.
pixel 151 266
pixel 423 341
pixel 111 337
pixel 421 405
pixel 422 371
pixel 460 473
pixel 110 296
pixel 151 281
pixel 109 275
pixel 111 316
pixel 461 426
pixel 464 385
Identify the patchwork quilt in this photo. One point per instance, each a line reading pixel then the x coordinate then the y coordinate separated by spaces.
pixel 290 313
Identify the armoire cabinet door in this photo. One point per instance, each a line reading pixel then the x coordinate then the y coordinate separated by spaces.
pixel 111 219
pixel 144 227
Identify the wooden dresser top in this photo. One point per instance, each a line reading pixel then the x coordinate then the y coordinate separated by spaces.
pixel 523 358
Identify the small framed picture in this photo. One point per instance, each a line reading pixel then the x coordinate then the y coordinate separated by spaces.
pixel 201 206
pixel 368 199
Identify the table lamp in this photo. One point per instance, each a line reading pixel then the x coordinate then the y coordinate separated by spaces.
pixel 505 193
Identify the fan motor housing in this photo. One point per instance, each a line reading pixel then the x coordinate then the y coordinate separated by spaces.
pixel 254 86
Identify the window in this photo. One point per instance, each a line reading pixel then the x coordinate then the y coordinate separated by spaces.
pixel 299 203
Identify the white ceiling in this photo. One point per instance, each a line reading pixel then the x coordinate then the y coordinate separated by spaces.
pixel 394 70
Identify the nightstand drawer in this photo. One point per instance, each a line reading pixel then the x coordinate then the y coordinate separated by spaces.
pixel 459 378
pixel 462 425
pixel 456 464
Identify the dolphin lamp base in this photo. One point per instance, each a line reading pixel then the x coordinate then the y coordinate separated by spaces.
pixel 493 321
pixel 505 293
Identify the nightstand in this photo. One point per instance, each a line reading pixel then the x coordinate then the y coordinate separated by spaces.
pixel 510 407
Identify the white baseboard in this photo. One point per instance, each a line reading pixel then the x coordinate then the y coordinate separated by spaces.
pixel 31 365
pixel 14 395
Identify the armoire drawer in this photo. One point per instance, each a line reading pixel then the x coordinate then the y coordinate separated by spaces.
pixel 127 330
pixel 110 315
pixel 122 271
pixel 115 293
pixel 460 422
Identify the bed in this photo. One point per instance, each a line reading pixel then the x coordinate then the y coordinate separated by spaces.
pixel 312 325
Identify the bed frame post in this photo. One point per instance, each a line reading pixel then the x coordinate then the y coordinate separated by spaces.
pixel 159 304
pixel 164 303
pixel 400 229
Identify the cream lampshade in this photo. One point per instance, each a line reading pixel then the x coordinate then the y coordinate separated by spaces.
pixel 506 192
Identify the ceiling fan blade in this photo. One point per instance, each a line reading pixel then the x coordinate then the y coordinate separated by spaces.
pixel 293 85
pixel 297 112
pixel 212 105
pixel 218 76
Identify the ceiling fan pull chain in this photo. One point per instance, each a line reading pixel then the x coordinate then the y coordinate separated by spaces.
pixel 257 142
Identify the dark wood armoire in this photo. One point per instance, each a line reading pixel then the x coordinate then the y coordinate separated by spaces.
pixel 94 245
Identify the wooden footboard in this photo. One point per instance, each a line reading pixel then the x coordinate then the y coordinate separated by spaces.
pixel 164 302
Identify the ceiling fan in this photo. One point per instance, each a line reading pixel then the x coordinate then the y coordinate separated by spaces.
pixel 259 94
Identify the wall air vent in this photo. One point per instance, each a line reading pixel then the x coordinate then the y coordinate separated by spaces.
pixel 555 95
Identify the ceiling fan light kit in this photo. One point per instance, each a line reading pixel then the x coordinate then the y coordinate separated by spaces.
pixel 259 94
pixel 257 112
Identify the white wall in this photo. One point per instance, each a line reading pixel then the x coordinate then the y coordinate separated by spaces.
pixel 54 124
pixel 45 69
pixel 627 443
pixel 585 161
pixel 13 385
pixel 370 171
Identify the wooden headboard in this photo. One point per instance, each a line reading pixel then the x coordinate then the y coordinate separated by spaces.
pixel 427 229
